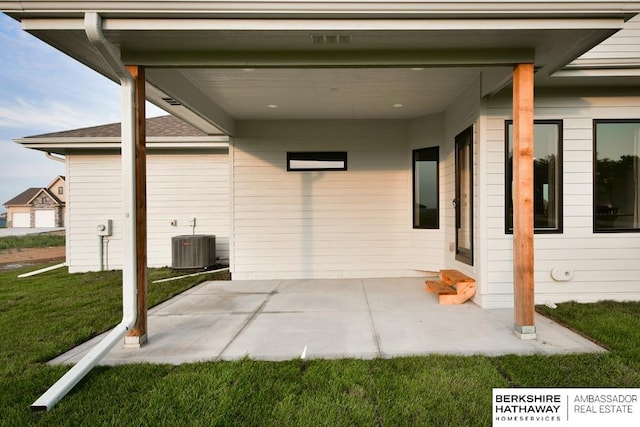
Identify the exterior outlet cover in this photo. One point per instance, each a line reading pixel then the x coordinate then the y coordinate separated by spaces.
pixel 562 274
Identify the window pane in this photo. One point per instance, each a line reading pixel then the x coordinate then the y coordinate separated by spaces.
pixel 547 176
pixel 425 188
pixel 616 189
pixel 317 161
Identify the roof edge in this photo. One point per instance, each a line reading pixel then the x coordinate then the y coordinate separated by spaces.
pixel 315 8
pixel 56 201
pixel 60 145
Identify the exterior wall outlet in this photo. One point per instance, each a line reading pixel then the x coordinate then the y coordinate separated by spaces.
pixel 174 222
pixel 451 246
pixel 562 274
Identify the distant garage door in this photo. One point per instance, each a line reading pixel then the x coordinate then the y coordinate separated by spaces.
pixel 21 220
pixel 46 218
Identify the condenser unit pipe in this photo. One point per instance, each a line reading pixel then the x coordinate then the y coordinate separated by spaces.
pixel 93 29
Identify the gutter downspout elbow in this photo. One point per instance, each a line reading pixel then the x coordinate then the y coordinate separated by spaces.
pixel 48 155
pixel 93 29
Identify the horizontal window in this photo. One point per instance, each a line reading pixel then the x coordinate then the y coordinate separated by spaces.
pixel 547 176
pixel 317 161
pixel 616 192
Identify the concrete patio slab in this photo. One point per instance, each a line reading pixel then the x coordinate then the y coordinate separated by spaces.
pixel 197 303
pixel 352 301
pixel 283 336
pixel 360 318
pixel 236 287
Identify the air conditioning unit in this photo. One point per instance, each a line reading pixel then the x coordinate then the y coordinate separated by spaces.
pixel 193 251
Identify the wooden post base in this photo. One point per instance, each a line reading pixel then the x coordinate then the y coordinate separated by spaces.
pixel 525 332
pixel 134 341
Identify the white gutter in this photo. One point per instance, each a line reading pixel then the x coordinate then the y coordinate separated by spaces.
pixel 53 157
pixel 93 28
pixel 525 23
pixel 60 144
pixel 391 25
pixel 326 8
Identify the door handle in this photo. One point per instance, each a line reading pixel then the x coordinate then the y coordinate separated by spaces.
pixel 454 202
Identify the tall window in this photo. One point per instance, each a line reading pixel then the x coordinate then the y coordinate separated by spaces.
pixel 425 188
pixel 617 171
pixel 547 176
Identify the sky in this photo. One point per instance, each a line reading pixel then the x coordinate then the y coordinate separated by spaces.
pixel 43 90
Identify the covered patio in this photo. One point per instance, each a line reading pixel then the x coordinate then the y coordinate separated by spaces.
pixel 243 68
pixel 350 318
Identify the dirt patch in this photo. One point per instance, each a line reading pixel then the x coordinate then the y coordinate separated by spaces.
pixel 15 258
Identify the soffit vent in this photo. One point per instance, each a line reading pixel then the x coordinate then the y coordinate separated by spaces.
pixel 171 101
pixel 331 39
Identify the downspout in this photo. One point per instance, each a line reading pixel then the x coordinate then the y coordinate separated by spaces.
pixel 101 252
pixel 93 29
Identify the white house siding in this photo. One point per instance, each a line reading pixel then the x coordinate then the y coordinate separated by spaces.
pixel 622 48
pixel 180 187
pixel 94 195
pixel 605 266
pixel 353 223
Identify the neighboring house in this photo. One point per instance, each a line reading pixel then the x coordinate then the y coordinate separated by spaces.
pixel 375 139
pixel 38 207
pixel 187 180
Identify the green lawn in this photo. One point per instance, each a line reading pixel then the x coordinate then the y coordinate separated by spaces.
pixel 43 316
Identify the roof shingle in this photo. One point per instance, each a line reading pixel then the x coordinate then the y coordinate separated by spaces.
pixel 24 197
pixel 156 126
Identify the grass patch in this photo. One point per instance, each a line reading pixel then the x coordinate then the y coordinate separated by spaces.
pixel 400 392
pixel 615 325
pixel 43 316
pixel 568 370
pixel 31 241
pixel 436 390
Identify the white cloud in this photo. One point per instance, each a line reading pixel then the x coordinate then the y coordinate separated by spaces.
pixel 47 114
pixel 18 156
pixel 44 91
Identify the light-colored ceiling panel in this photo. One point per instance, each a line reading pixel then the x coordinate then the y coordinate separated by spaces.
pixel 354 93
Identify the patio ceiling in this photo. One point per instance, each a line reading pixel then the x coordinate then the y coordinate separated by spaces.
pixel 343 93
pixel 213 72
